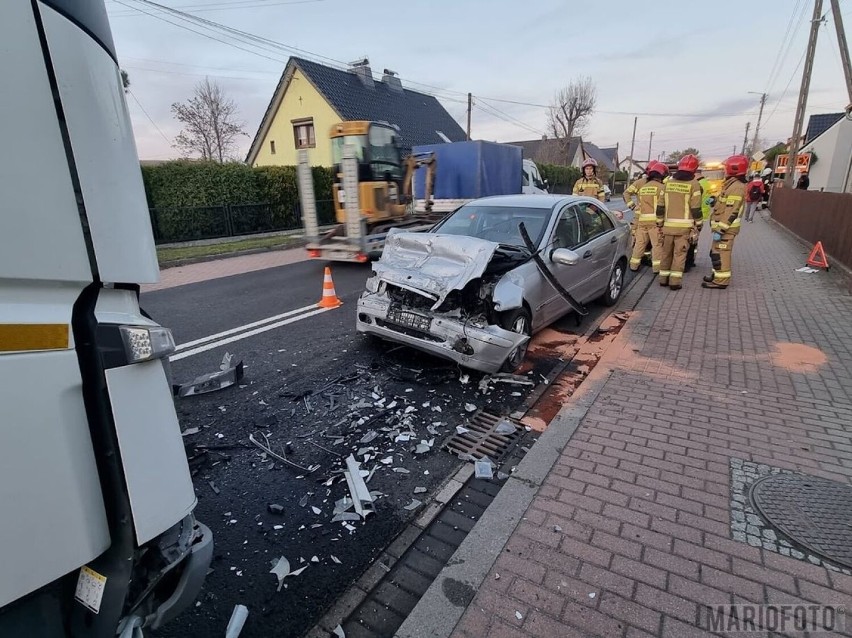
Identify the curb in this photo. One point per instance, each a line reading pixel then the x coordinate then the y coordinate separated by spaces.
pixel 176 263
pixel 440 609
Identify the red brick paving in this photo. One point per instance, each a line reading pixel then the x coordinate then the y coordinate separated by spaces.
pixel 641 491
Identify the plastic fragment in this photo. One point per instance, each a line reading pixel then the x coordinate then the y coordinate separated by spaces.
pixel 470 407
pixel 419 490
pixel 504 427
pixel 335 559
pixel 236 622
pixel 413 505
pixel 519 615
pixel 482 469
pixel 401 470
pixel 316 510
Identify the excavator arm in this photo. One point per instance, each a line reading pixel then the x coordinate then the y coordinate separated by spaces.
pixel 412 163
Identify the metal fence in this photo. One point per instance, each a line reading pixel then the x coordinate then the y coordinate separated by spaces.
pixel 815 216
pixel 211 222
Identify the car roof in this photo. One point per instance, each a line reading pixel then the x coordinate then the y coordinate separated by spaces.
pixel 528 201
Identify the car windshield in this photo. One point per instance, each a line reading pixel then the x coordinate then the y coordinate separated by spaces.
pixel 496 223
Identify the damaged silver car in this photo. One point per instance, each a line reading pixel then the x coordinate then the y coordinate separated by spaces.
pixel 477 286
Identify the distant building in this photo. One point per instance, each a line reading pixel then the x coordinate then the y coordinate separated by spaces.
pixel 634 168
pixel 310 98
pixel 553 151
pixel 605 157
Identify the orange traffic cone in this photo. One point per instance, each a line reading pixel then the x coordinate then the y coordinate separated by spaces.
pixel 329 297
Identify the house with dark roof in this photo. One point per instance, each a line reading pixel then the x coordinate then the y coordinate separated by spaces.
pixel 605 157
pixel 819 124
pixel 310 98
pixel 553 151
pixel 831 163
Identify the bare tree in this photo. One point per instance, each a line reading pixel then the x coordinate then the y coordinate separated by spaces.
pixel 210 128
pixel 571 109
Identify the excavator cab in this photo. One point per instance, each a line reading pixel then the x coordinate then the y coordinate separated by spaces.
pixel 380 169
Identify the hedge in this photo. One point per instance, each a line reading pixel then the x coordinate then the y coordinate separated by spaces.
pixel 560 178
pixel 190 184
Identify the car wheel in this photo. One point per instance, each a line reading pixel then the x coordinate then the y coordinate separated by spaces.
pixel 615 285
pixel 518 321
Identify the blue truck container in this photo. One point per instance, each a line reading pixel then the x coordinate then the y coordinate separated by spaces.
pixel 467 170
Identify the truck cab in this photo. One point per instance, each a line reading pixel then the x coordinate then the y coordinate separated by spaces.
pixel 97 533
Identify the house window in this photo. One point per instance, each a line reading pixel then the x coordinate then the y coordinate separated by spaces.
pixel 303 134
pixel 272 147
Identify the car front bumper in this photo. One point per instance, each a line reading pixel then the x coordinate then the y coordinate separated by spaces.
pixel 480 348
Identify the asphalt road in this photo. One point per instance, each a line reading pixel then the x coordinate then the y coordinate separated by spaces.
pixel 314 388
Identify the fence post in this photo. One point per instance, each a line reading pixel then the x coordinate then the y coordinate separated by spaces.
pixel 229 223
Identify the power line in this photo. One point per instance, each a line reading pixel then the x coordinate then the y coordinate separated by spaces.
pixel 136 99
pixel 201 33
pixel 785 41
pixel 224 6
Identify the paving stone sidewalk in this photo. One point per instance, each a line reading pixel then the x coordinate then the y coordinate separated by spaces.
pixel 634 529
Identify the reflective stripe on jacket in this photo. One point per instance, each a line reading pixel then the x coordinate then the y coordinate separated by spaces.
pixel 682 204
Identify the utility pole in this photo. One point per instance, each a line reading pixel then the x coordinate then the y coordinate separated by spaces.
pixel 745 137
pixel 841 44
pixel 650 142
pixel 755 141
pixel 632 146
pixel 469 104
pixel 795 142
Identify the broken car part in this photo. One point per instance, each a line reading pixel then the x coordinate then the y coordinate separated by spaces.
pixel 223 378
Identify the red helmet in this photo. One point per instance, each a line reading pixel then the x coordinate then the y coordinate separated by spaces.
pixel 688 163
pixel 736 165
pixel 657 167
pixel 590 162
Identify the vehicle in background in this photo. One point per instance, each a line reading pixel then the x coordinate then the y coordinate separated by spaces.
pixel 387 192
pixel 97 534
pixel 470 289
pixel 533 183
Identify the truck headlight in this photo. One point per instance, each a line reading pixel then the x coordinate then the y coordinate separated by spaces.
pixel 144 343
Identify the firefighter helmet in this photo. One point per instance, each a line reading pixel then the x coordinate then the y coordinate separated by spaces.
pixel 688 163
pixel 736 165
pixel 658 167
pixel 590 162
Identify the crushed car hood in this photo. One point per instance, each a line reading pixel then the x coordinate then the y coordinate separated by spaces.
pixel 432 263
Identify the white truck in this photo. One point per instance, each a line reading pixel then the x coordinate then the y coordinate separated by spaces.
pixel 97 533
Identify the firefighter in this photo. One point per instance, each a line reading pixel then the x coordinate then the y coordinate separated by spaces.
pixel 589 184
pixel 650 191
pixel 705 215
pixel 725 222
pixel 677 218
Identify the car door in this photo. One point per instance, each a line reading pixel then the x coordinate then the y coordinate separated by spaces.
pixel 599 250
pixel 568 232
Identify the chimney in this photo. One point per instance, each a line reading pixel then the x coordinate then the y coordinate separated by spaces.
pixel 392 81
pixel 361 68
pixel 544 138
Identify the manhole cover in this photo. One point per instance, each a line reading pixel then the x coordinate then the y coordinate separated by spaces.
pixel 486 435
pixel 814 512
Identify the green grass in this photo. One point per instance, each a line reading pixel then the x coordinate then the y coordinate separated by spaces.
pixel 166 255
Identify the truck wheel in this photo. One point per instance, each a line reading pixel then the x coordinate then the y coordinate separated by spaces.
pixel 518 321
pixel 615 284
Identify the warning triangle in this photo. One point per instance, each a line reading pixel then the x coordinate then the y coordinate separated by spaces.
pixel 817 258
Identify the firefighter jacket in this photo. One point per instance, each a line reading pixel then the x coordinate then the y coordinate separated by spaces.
pixel 680 209
pixel 590 187
pixel 706 208
pixel 633 191
pixel 728 210
pixel 651 196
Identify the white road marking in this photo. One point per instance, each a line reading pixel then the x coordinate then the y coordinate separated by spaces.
pixel 248 326
pixel 245 335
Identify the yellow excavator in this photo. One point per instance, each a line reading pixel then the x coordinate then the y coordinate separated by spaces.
pixel 385 179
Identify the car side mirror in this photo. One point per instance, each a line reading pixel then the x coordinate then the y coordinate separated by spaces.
pixel 564 256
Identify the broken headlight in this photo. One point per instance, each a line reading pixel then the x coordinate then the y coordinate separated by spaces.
pixel 373 283
pixel 144 343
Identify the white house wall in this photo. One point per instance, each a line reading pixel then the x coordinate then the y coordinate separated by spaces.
pixel 833 149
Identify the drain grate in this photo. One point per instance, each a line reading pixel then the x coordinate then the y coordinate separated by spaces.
pixel 814 512
pixel 482 438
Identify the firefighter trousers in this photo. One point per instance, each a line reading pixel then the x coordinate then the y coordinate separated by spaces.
pixel 644 234
pixel 673 260
pixel 720 257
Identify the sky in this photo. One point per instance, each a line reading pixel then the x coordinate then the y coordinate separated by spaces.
pixel 692 77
